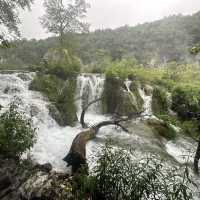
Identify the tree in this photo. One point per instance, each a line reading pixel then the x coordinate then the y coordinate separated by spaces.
pixel 16 133
pixel 61 18
pixel 9 17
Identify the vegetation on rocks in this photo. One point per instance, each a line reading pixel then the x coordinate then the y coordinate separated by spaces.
pixel 159 101
pixel 61 63
pixel 61 94
pixel 117 176
pixel 162 128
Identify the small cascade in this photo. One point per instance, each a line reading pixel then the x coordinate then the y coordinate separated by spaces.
pixel 89 88
pixel 127 84
pixel 147 102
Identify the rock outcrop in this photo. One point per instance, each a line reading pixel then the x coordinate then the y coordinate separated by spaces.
pixel 28 181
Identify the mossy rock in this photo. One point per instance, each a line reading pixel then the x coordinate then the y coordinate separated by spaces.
pixel 56 115
pixel 162 128
pixel 126 106
pixel 159 101
pixel 148 90
pixel 139 100
pixel 111 94
pixel 116 99
pixel 61 63
pixel 61 94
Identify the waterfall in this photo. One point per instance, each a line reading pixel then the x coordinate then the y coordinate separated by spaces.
pixel 147 102
pixel 34 104
pixel 89 88
pixel 49 134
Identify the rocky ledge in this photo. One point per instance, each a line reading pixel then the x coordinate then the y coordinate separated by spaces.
pixel 23 180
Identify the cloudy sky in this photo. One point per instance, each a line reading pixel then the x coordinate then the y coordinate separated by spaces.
pixel 113 13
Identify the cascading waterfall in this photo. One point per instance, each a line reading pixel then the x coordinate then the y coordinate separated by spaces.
pixel 53 142
pixel 89 88
pixel 50 134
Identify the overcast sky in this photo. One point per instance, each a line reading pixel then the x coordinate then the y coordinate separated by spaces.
pixel 113 13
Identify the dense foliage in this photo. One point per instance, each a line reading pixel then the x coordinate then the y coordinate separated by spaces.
pixel 117 176
pixel 61 17
pixel 9 17
pixel 169 39
pixel 61 63
pixel 16 133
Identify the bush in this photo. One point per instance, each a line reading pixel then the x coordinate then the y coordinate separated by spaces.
pixel 118 177
pixel 16 133
pixel 61 63
pixel 186 101
pixel 159 101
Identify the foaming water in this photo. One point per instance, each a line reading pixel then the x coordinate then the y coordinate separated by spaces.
pixel 54 142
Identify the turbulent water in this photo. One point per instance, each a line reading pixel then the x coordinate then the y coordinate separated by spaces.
pixel 53 141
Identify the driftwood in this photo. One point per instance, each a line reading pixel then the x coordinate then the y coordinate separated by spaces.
pixel 196 159
pixel 82 119
pixel 77 154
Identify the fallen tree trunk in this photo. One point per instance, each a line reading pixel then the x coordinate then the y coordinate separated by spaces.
pixel 77 154
pixel 196 159
pixel 82 119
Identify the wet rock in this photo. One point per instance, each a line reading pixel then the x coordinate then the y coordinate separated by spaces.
pixel 24 180
pixel 148 90
pixel 24 77
pixel 127 105
pixel 47 167
pixel 44 187
pixel 56 115
pixel 162 128
pixel 5 182
pixel 34 110
pixel 117 98
pixel 8 90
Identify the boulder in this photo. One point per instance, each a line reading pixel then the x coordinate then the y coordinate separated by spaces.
pixel 121 100
pixel 162 128
pixel 56 115
pixel 24 77
pixel 34 110
pixel 148 90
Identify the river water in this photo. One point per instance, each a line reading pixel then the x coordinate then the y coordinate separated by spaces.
pixel 53 141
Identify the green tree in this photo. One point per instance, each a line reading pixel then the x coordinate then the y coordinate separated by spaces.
pixel 61 18
pixel 9 16
pixel 16 133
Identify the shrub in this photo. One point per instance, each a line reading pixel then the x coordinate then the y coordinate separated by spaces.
pixel 16 133
pixel 118 177
pixel 61 63
pixel 49 85
pixel 159 101
pixel 186 101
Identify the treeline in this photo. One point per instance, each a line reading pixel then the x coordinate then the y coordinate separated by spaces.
pixel 169 39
